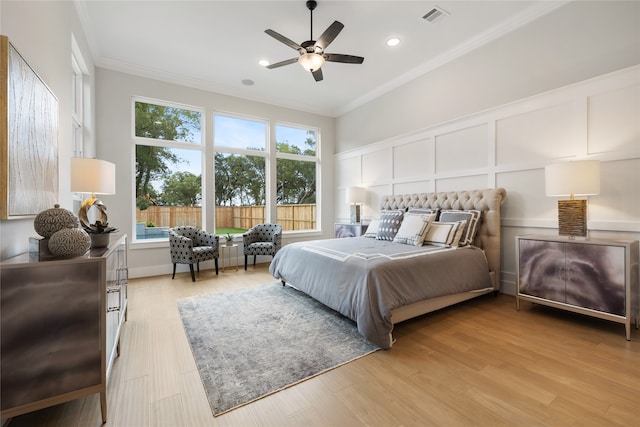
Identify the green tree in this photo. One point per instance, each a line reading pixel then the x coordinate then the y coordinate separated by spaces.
pixel 240 180
pixel 153 163
pixel 296 178
pixel 181 189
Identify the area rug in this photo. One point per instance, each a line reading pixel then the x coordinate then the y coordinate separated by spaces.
pixel 253 342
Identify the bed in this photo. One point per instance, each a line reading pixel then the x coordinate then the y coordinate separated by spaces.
pixel 378 283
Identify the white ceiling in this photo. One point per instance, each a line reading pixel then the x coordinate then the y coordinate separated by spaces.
pixel 215 45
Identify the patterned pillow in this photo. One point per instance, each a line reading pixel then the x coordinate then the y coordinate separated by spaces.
pixel 444 233
pixel 372 229
pixel 389 224
pixel 413 229
pixel 425 211
pixel 471 216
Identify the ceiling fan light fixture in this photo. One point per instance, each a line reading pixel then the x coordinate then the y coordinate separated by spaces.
pixel 311 61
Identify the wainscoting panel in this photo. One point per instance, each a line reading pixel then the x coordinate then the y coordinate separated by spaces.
pixel 509 146
pixel 539 134
pixel 349 173
pixel 376 166
pixel 614 202
pixel 615 132
pixel 461 150
pixel 413 159
pixel 525 195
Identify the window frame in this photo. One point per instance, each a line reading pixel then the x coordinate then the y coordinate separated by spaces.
pixel 305 158
pixel 166 143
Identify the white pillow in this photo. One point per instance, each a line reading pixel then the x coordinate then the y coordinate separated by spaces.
pixel 444 233
pixel 372 229
pixel 413 229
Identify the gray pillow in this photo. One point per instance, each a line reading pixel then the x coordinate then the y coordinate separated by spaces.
pixel 471 217
pixel 390 222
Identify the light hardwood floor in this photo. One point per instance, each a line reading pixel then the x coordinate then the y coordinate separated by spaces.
pixel 480 363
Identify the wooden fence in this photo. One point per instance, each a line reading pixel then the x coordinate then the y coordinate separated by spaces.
pixel 291 217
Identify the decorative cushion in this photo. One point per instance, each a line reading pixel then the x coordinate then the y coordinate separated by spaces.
pixel 425 211
pixel 472 218
pixel 389 224
pixel 413 228
pixel 372 229
pixel 444 233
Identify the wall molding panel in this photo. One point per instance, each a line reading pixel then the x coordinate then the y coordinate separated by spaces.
pixel 509 146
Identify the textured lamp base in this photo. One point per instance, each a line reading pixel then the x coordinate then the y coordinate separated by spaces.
pixel 572 218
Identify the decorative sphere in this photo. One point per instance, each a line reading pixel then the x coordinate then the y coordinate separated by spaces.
pixel 69 242
pixel 55 219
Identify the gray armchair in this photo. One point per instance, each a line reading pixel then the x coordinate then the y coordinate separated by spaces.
pixel 262 239
pixel 190 245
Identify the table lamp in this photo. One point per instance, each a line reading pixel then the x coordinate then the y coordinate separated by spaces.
pixel 578 178
pixel 355 197
pixel 96 177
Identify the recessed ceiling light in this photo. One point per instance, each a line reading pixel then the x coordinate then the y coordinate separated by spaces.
pixel 263 62
pixel 393 41
pixel 248 82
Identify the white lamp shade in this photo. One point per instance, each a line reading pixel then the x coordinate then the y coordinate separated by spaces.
pixel 92 176
pixel 356 195
pixel 580 178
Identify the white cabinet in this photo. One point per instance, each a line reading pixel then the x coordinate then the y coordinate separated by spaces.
pixel 594 277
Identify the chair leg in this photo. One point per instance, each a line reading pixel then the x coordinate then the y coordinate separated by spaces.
pixel 254 260
pixel 174 271
pixel 245 262
pixel 216 266
pixel 198 265
pixel 193 276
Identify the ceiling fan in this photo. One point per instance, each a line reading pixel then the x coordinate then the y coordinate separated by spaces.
pixel 312 54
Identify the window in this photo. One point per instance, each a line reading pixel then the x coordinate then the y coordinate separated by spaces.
pixel 296 176
pixel 240 172
pixel 80 100
pixel 77 114
pixel 168 175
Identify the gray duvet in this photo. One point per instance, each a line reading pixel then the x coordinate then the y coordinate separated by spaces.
pixel 365 279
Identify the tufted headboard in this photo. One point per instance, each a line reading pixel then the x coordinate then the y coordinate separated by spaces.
pixel 488 201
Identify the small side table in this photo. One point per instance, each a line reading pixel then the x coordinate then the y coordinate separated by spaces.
pixel 227 253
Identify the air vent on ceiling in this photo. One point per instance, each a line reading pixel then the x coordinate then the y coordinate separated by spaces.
pixel 435 14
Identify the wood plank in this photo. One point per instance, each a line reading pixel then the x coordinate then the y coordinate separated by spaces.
pixel 478 363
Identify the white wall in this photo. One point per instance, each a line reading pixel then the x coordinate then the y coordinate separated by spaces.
pixel 496 116
pixel 113 110
pixel 508 147
pixel 41 32
pixel 578 41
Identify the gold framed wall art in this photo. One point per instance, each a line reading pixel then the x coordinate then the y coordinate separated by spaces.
pixel 28 138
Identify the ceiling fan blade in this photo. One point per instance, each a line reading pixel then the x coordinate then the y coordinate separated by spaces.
pixel 282 63
pixel 329 34
pixel 284 40
pixel 317 74
pixel 348 59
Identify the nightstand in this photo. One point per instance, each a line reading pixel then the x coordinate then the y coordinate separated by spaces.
pixel 595 277
pixel 347 229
